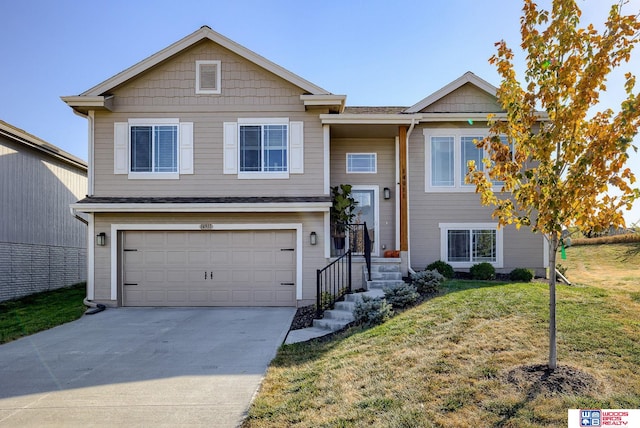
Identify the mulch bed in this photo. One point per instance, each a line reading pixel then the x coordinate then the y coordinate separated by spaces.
pixel 538 380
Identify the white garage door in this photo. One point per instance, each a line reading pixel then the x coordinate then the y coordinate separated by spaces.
pixel 209 268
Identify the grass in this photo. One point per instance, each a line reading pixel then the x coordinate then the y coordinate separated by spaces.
pixel 444 363
pixel 40 311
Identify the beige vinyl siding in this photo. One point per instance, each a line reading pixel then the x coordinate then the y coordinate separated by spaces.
pixel 467 98
pixel 42 246
pixel 168 91
pixel 385 177
pixel 313 255
pixel 208 178
pixel 427 210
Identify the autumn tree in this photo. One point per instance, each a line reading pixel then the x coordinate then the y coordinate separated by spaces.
pixel 561 162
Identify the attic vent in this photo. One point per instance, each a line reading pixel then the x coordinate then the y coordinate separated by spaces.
pixel 208 77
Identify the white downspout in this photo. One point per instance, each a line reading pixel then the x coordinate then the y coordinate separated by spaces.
pixel 409 131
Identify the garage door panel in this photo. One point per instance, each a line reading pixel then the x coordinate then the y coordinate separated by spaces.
pixel 176 257
pixel 155 276
pixel 241 296
pixel 176 297
pixel 248 268
pixel 154 257
pixel 263 258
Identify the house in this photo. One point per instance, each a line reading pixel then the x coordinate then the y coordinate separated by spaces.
pixel 210 170
pixel 42 246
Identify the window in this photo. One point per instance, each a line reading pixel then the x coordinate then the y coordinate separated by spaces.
pixel 442 161
pixel 361 163
pixel 463 245
pixel 208 77
pixel 263 148
pixel 154 148
pixel 447 155
pixel 469 152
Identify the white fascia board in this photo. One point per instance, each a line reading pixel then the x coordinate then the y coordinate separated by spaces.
pixel 368 119
pixel 84 104
pixel 204 208
pixel 328 100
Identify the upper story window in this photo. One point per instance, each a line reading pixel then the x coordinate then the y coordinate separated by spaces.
pixel 153 148
pixel 208 77
pixel 447 153
pixel 361 163
pixel 263 148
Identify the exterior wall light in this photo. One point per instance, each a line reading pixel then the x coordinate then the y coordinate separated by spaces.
pixel 101 239
pixel 313 238
pixel 387 193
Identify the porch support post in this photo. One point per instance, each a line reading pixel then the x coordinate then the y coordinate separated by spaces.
pixel 404 211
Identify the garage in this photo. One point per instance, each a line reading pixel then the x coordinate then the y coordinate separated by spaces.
pixel 209 268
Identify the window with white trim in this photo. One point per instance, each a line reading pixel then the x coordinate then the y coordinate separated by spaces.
pixel 153 148
pixel 267 148
pixel 362 163
pixel 447 152
pixel 263 148
pixel 208 77
pixel 465 244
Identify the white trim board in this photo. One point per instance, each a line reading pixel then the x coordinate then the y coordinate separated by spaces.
pixel 116 228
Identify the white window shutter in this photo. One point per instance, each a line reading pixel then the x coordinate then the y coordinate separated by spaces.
pixel 186 148
pixel 230 147
pixel 296 147
pixel 121 148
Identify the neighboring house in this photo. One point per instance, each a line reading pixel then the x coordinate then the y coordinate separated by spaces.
pixel 210 170
pixel 42 245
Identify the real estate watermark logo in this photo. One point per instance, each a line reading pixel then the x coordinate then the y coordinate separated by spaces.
pixel 590 418
pixel 579 418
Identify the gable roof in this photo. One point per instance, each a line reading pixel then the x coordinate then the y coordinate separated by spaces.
pixel 204 33
pixel 19 136
pixel 467 77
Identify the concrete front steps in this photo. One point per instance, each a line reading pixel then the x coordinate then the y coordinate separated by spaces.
pixel 384 273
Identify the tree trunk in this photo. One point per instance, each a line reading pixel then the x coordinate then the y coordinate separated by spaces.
pixel 553 351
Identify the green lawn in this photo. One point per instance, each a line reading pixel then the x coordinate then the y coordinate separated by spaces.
pixel 40 311
pixel 444 363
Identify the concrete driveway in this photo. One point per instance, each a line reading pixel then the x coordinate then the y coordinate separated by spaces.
pixel 141 367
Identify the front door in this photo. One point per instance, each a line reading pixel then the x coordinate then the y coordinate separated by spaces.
pixel 367 211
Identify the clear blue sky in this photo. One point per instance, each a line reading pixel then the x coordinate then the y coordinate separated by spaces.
pixel 375 52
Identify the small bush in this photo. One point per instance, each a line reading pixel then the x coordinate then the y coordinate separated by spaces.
pixel 521 275
pixel 402 295
pixel 372 311
pixel 482 271
pixel 444 268
pixel 562 269
pixel 427 281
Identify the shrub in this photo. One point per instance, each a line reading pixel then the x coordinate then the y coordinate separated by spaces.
pixel 482 271
pixel 521 275
pixel 372 311
pixel 427 281
pixel 444 268
pixel 402 295
pixel 561 269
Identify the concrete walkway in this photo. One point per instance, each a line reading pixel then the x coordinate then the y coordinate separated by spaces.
pixel 141 367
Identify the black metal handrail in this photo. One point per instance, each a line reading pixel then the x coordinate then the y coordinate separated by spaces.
pixel 333 282
pixel 367 250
